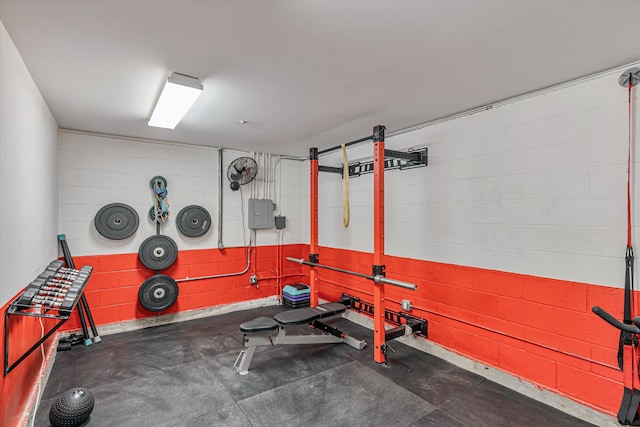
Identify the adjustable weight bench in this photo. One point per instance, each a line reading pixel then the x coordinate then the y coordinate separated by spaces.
pixel 267 331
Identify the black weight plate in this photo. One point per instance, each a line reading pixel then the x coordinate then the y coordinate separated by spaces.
pixel 158 292
pixel 116 221
pixel 193 221
pixel 160 178
pixel 158 252
pixel 152 215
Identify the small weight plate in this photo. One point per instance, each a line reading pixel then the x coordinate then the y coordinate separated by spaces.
pixel 159 178
pixel 193 221
pixel 116 221
pixel 158 292
pixel 152 215
pixel 158 252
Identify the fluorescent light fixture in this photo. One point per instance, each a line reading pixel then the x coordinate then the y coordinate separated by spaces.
pixel 177 97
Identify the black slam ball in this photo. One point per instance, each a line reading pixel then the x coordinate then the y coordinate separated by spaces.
pixel 72 408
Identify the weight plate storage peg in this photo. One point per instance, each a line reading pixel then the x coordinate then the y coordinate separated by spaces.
pixel 158 252
pixel 158 292
pixel 116 221
pixel 193 221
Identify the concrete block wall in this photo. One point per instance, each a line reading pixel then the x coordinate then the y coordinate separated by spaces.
pixel 28 218
pixel 98 170
pixel 112 291
pixel 536 186
pixel 513 232
pixel 537 329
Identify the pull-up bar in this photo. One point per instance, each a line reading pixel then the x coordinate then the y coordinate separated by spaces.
pixel 338 147
pixel 377 278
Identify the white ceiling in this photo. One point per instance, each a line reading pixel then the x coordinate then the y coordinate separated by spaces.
pixel 306 73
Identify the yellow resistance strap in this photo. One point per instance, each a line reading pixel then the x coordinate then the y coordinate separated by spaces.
pixel 346 213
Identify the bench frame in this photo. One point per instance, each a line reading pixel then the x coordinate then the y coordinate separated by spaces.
pixel 278 335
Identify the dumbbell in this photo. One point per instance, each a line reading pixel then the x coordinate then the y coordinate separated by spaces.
pixel 44 276
pixel 44 300
pixel 52 293
pixel 73 273
pixel 59 286
pixel 63 305
pixel 32 289
pixel 55 288
pixel 63 276
pixel 69 277
pixel 52 268
pixel 67 305
pixel 60 281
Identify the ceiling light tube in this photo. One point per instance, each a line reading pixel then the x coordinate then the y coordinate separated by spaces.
pixel 177 97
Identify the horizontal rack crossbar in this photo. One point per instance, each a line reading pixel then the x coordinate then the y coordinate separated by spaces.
pixel 398 160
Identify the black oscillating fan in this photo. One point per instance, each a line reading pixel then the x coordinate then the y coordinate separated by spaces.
pixel 242 171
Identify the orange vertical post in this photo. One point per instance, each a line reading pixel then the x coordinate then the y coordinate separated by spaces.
pixel 313 224
pixel 379 351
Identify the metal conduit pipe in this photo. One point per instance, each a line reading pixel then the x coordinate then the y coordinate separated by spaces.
pixel 217 276
pixel 277 195
pixel 511 100
pixel 220 209
pixel 220 176
pixel 220 244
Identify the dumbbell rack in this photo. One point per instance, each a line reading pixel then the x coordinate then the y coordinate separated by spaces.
pixel 52 295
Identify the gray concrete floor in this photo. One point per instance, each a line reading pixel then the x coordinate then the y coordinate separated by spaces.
pixel 182 375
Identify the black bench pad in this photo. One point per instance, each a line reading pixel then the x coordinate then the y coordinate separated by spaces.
pixel 259 325
pixel 302 316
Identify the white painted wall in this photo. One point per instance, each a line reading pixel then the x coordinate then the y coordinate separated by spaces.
pixel 28 175
pixel 98 170
pixel 536 186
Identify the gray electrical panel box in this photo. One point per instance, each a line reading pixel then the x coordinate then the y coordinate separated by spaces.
pixel 281 222
pixel 260 214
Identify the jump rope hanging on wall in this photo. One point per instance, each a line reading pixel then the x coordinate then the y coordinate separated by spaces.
pixel 159 212
pixel 630 326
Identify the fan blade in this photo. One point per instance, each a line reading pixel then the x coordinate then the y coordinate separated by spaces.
pixel 240 165
pixel 248 175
